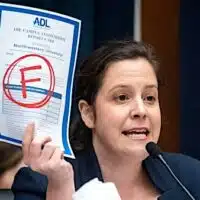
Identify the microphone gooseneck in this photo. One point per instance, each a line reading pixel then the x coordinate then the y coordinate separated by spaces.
pixel 154 151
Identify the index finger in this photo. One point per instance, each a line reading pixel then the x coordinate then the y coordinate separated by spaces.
pixel 27 139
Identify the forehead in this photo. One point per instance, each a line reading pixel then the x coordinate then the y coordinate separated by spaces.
pixel 130 70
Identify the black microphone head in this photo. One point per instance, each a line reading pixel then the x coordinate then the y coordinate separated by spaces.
pixel 153 149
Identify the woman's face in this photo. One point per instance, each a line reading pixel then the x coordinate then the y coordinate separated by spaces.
pixel 126 114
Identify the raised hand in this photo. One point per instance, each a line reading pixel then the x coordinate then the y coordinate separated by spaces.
pixel 41 155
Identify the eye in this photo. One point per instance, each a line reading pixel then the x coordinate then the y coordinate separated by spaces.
pixel 121 98
pixel 150 99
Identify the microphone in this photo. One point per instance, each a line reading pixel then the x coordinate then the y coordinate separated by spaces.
pixel 154 151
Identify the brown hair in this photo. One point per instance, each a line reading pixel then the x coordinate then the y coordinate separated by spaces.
pixel 10 156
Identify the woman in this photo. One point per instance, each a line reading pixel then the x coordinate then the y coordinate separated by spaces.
pixel 117 97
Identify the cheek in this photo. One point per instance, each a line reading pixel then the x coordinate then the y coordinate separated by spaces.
pixel 156 117
pixel 110 117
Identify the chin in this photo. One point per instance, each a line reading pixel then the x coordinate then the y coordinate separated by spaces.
pixel 138 150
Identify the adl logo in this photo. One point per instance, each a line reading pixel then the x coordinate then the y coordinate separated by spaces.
pixel 41 22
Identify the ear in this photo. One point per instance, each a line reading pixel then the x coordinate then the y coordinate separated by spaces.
pixel 87 113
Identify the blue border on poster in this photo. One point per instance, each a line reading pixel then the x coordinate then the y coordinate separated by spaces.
pixel 67 110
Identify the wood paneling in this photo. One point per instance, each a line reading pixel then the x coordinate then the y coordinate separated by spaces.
pixel 160 27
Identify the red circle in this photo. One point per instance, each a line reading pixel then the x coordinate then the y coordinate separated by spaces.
pixel 49 93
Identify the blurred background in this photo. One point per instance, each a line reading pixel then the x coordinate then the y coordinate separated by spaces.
pixel 172 27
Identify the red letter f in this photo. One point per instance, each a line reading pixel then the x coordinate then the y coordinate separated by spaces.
pixel 24 81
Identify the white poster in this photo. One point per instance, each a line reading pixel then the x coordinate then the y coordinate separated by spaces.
pixel 38 56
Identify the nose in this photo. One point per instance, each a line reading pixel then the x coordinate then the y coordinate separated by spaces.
pixel 138 109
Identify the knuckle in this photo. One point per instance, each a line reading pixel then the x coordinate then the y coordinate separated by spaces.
pixel 50 145
pixel 42 167
pixel 52 166
pixel 35 143
pixel 66 165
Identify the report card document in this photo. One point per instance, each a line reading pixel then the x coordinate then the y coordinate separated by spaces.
pixel 38 57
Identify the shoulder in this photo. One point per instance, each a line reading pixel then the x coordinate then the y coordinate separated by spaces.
pixel 182 163
pixel 186 168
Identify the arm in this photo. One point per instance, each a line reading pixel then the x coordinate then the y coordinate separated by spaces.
pixel 29 185
pixel 42 156
pixel 60 188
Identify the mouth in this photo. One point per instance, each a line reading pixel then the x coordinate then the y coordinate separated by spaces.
pixel 137 133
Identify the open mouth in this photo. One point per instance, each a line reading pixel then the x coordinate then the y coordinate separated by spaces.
pixel 137 133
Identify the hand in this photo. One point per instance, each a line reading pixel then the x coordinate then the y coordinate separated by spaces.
pixel 41 155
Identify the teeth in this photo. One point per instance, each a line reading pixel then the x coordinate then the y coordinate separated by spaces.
pixel 135 132
pixel 139 131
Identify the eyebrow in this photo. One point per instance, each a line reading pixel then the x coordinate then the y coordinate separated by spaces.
pixel 127 86
pixel 151 86
pixel 118 86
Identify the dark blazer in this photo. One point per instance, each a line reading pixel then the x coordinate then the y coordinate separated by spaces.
pixel 29 185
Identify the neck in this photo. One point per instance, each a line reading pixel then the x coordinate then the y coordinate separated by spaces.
pixel 126 173
pixel 7 178
pixel 119 169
